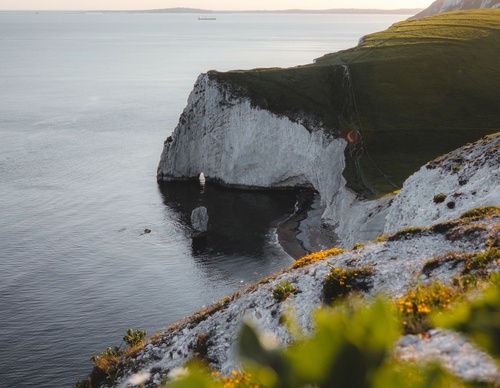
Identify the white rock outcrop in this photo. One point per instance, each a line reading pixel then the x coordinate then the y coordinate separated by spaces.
pixel 443 189
pixel 240 145
pixel 442 6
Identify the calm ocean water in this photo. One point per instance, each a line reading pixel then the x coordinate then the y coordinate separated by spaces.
pixel 86 103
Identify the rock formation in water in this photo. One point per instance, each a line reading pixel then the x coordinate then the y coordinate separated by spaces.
pixel 199 220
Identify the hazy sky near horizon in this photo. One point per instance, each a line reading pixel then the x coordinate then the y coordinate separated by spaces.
pixel 207 4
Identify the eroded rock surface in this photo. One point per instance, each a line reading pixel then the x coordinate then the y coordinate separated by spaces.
pixel 448 186
pixel 397 262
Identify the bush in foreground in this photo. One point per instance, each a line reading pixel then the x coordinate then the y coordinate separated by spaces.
pixel 352 347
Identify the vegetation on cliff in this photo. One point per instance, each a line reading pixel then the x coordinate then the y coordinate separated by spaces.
pixel 413 92
pixel 436 282
pixel 352 345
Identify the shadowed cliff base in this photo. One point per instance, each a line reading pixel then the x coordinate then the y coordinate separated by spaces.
pixel 241 221
pixel 304 232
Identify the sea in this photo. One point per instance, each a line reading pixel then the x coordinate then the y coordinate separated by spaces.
pixel 90 244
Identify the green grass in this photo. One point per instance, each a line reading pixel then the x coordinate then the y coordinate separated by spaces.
pixel 419 89
pixel 438 198
pixel 341 282
pixel 481 212
pixel 282 291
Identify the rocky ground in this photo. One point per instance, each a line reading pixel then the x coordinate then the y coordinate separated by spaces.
pixel 469 177
pixel 397 263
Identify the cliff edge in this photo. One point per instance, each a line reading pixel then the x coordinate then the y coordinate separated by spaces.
pixel 236 144
pixel 353 125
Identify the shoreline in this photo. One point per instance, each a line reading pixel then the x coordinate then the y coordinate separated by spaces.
pixel 303 232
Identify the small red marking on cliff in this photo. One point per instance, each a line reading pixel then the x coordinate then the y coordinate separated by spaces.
pixel 353 136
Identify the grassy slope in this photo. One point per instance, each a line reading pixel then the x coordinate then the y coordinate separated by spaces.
pixel 421 88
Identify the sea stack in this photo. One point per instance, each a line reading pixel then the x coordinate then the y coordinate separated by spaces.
pixel 199 220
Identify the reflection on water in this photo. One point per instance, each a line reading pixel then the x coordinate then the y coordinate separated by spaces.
pixel 242 223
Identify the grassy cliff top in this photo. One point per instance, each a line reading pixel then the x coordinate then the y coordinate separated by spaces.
pixel 414 91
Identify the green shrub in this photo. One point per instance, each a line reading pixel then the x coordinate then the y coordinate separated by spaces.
pixel 438 198
pixel 418 304
pixel 108 364
pixel 340 282
pixel 134 337
pixel 283 291
pixel 414 375
pixel 349 345
pixel 478 319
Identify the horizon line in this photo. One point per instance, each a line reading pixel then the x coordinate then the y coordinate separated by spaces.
pixel 193 10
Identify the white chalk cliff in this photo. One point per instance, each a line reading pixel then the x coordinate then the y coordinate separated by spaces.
pixel 240 145
pixel 442 6
pixel 445 188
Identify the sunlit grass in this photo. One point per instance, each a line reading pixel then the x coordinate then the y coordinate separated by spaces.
pixel 317 257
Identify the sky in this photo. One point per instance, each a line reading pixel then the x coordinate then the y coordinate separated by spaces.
pixel 207 4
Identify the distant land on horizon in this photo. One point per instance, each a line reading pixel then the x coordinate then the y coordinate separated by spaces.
pixel 402 11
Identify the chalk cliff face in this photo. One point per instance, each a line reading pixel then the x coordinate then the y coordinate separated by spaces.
pixel 237 144
pixel 445 188
pixel 442 6
pixel 240 145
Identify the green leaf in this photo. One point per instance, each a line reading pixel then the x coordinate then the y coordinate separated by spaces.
pixel 479 319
